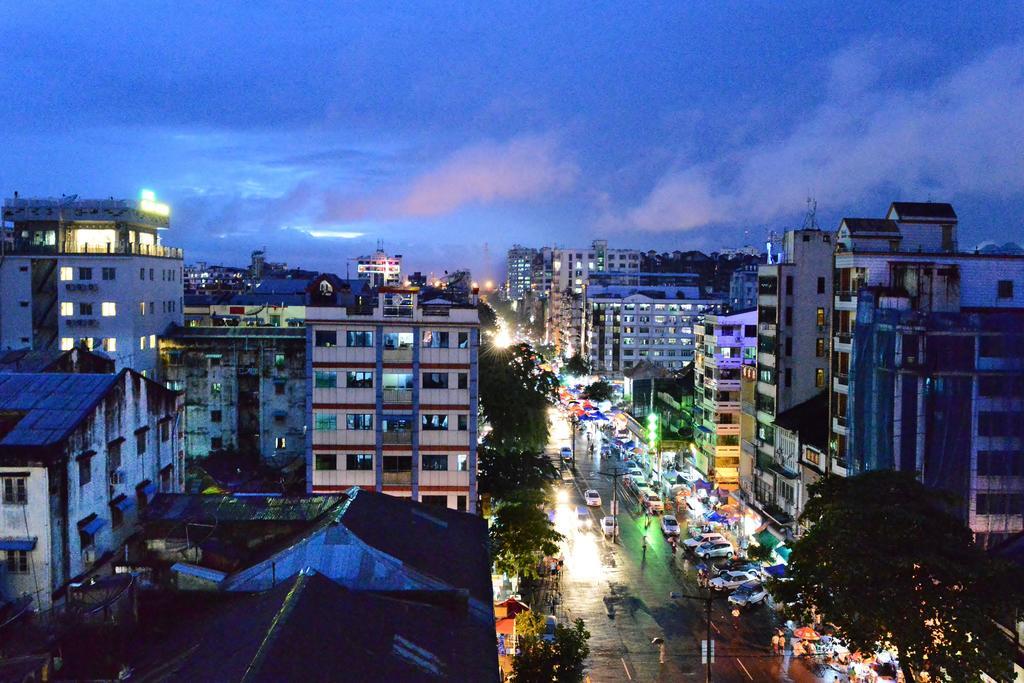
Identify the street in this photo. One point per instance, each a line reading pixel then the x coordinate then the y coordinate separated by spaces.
pixel 626 598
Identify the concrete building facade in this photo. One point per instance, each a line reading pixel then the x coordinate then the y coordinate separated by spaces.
pixel 380 270
pixel 519 279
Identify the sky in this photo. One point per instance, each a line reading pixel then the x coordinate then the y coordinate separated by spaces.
pixel 452 130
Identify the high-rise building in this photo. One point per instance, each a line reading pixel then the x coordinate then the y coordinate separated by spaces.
pixel 392 401
pixel 380 270
pixel 928 361
pixel 92 272
pixel 743 288
pixel 519 279
pixel 723 343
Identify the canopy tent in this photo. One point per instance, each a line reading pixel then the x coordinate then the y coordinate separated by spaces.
pixel 783 552
pixel 701 484
pixel 505 626
pixel 766 539
pixel 715 517
pixel 776 571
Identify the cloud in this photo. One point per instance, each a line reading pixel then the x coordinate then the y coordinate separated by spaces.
pixel 960 134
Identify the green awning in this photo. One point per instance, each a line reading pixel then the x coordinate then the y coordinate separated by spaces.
pixel 766 539
pixel 783 552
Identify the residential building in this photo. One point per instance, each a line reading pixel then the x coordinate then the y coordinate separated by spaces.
pixel 629 325
pixel 380 270
pixel 519 279
pixel 77 359
pixel 723 342
pixel 927 362
pixel 794 310
pixel 202 278
pixel 74 473
pixel 743 288
pixel 92 272
pixel 392 396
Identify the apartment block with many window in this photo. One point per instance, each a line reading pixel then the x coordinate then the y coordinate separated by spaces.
pixel 393 398
pixel 89 272
pixel 723 342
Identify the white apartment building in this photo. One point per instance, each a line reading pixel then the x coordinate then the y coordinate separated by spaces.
pixel 519 279
pixel 74 477
pixel 393 399
pixel 626 325
pixel 92 272
pixel 723 342
pixel 380 270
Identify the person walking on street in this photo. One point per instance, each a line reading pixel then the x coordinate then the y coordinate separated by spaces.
pixel 643 557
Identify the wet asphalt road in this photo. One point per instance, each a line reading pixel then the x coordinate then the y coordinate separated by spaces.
pixel 625 599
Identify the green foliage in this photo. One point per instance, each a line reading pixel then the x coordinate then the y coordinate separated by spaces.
pixel 599 391
pixel 521 535
pixel 515 394
pixel 504 475
pixel 530 624
pixel 488 317
pixel 887 562
pixel 759 553
pixel 560 661
pixel 577 366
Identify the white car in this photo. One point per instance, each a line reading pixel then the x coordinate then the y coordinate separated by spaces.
pixel 716 549
pixel 749 594
pixel 669 525
pixel 694 543
pixel 592 497
pixel 733 579
pixel 609 526
pixel 651 500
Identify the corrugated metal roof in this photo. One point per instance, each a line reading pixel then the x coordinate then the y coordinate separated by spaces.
pixel 178 507
pixel 51 404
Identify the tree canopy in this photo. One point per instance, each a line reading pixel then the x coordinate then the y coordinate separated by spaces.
pixel 505 475
pixel 557 661
pixel 577 366
pixel 515 394
pixel 887 562
pixel 520 535
pixel 599 391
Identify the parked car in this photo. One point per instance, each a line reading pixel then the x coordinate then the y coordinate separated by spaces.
pixel 651 500
pixel 566 453
pixel 550 622
pixel 609 526
pixel 669 525
pixel 714 549
pixel 592 497
pixel 749 594
pixel 732 579
pixel 693 543
pixel 739 566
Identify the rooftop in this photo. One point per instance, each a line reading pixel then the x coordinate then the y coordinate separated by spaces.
pixel 869 225
pixel 922 211
pixel 46 407
pixel 808 419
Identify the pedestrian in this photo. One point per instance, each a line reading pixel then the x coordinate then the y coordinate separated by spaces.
pixel 776 645
pixel 643 556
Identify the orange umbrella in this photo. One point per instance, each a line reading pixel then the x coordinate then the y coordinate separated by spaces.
pixel 806 633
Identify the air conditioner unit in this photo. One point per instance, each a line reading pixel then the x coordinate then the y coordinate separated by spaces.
pixel 89 556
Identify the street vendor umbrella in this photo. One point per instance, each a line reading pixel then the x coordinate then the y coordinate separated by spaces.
pixel 629 444
pixel 806 633
pixel 701 567
pixel 598 415
pixel 776 571
pixel 715 517
pixel 701 484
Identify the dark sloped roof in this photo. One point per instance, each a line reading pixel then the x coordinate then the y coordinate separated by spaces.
pixel 856 225
pixel 310 628
pixel 808 419
pixel 443 543
pixel 51 405
pixel 28 360
pixel 166 507
pixel 932 211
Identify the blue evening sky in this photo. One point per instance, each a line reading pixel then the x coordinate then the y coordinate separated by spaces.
pixel 317 128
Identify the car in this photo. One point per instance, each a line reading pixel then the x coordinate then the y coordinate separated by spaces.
pixel 592 497
pixel 583 516
pixel 669 525
pixel 693 543
pixel 609 526
pixel 739 566
pixel 651 500
pixel 714 549
pixel 566 453
pixel 550 625
pixel 749 594
pixel 733 579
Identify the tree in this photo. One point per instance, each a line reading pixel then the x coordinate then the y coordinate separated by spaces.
pixel 515 394
pixel 599 391
pixel 504 474
pixel 521 535
pixel 577 366
pixel 887 562
pixel 759 553
pixel 558 661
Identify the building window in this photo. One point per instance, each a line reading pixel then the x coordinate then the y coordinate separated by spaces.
pixel 460 503
pixel 109 273
pixel 358 339
pixel 323 379
pixel 325 423
pixel 819 377
pixel 821 285
pixel 66 274
pixel 398 340
pixel 439 501
pixel 463 423
pixel 216 443
pixel 463 462
pixel 359 380
pixel 789 285
pixel 433 462
pixel 359 421
pixel 789 315
pixel 326 461
pixel 142 273
pixel 15 490
pixel 278 388
pixel 819 347
pixel 359 461
pixel 108 309
pixel 214 360
pixel 17 561
pixel 820 317
pixel 435 380
pixel 434 423
pixel 142 342
pixel 67 343
pixel 789 345
pixel 165 431
pixel 67 308
pixel 463 380
pixel 85 273
pixel 151 274
pixel 280 443
pixel 152 341
pixel 326 338
pixel 84 471
pixel 142 308
pixel 84 309
pixel 215 416
pixel 789 377
pixel 140 442
pixel 397 463
pixel 1004 289
pixel 215 388
pixel 435 340
pixel 279 360
pixel 463 340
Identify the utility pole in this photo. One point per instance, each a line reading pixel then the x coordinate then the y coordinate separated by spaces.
pixel 707 608
pixel 614 474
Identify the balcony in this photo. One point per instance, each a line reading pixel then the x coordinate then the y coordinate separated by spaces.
pixel 401 354
pixel 397 477
pixel 396 438
pixel 842 379
pixel 402 396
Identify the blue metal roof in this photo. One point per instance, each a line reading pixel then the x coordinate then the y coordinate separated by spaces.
pixel 51 404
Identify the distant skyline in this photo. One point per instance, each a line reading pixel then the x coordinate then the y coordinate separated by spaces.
pixel 317 130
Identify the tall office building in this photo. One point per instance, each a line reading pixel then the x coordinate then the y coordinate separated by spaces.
pixel 392 397
pixel 89 272
pixel 380 270
pixel 519 280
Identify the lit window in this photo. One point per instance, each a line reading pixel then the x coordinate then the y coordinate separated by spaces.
pixel 142 342
pixel 280 442
pixel 110 344
pixel 142 308
pixel 108 309
pixel 67 308
pixel 67 343
pixel 66 274
pixel 152 341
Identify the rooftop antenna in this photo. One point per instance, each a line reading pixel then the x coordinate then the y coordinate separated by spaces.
pixel 811 217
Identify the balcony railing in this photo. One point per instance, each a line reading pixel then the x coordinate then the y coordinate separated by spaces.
pixel 398 354
pixel 397 396
pixel 396 437
pixel 397 477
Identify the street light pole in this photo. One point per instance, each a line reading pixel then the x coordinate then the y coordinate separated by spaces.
pixel 707 654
